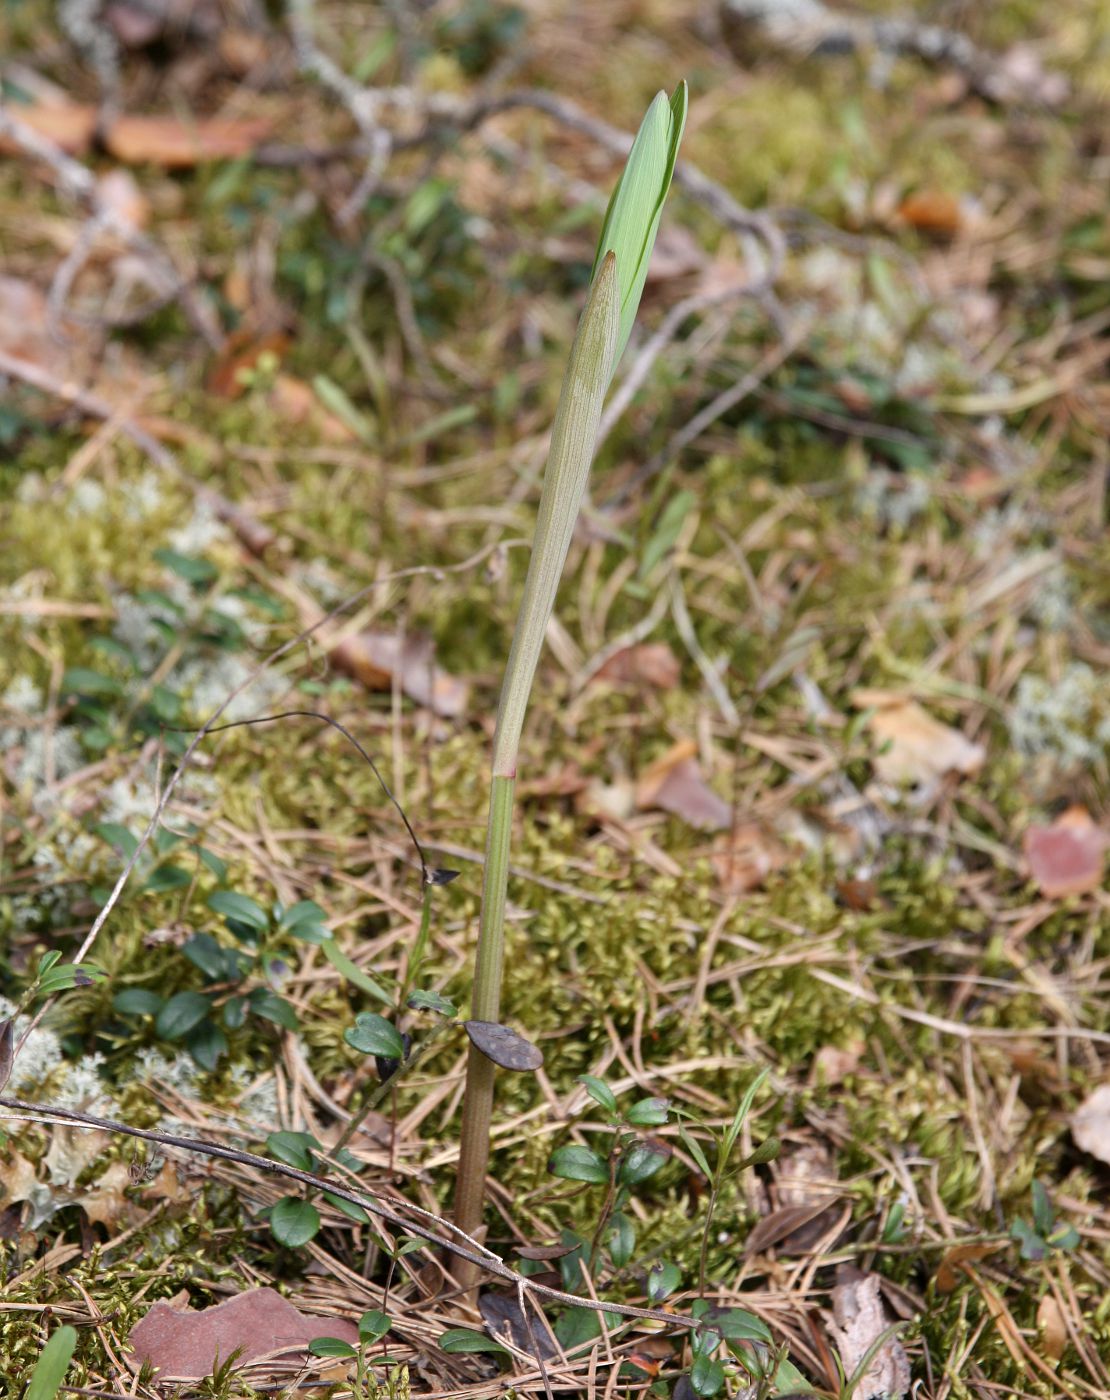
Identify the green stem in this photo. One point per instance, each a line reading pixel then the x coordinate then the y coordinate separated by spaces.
pixel 485 1006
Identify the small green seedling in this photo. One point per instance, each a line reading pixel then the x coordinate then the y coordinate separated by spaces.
pixel 1046 1232
pixel 620 270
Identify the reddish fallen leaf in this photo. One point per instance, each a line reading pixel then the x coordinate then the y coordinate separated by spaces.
pixel 859 1321
pixel 374 658
pixel 177 145
pixel 1090 1124
pixel 1066 857
pixel 915 747
pixel 674 783
pixel 744 857
pixel 186 1344
pixel 652 663
pixel 932 211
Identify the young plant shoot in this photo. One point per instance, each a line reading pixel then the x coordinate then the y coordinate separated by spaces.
pixel 620 270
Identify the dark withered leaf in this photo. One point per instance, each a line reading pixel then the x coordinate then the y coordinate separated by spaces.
pixel 501 1312
pixel 442 876
pixel 503 1046
pixel 7 1051
pixel 542 1252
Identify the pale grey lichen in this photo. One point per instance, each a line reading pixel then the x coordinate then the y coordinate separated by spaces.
pixel 1066 719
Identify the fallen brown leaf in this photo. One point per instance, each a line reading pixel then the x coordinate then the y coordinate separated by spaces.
pixel 674 783
pixel 374 658
pixel 187 1344
pixel 68 124
pixel 651 663
pixel 177 145
pixel 105 1202
pixel 952 1269
pixel 1066 857
pixel 916 748
pixel 1090 1124
pixel 745 856
pixel 859 1322
pixel 932 211
pixel 1052 1327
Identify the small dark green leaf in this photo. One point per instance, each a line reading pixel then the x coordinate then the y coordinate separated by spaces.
pixel 642 1161
pixel 599 1091
pixel 271 1007
pixel 737 1325
pixel 204 952
pixel 80 680
pixel 431 1001
pixel 372 1326
pixel 576 1327
pixel 330 1346
pixel 462 1339
pixel 198 572
pixel 137 1001
pixel 294 1222
pixel 374 1035
pixel 168 877
pixel 47 961
pixel 180 1014
pixel 706 1376
pixel 304 911
pixel 662 1280
pixel 233 905
pixel 217 866
pixel 351 1209
pixel 1032 1246
pixel 118 836
pixel 574 1163
pixel 353 973
pixel 235 1012
pixel 207 1044
pixel 1044 1217
pixel 294 1149
pixel 7 1051
pixel 648 1113
pixel 622 1240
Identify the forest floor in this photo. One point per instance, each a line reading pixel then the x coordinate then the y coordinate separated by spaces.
pixel 814 782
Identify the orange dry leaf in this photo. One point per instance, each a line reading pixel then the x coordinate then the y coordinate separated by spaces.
pixel 68 124
pixel 1066 857
pixel 915 747
pixel 932 211
pixel 952 1269
pixel 674 783
pixel 374 658
pixel 176 145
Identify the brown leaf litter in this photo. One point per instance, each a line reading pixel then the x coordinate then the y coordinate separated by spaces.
pixel 859 1321
pixel 1066 857
pixel 187 1343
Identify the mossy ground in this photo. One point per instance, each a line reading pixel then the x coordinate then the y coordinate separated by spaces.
pixel 887 512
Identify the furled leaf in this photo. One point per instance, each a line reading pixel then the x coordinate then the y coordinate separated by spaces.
pixel 52 1365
